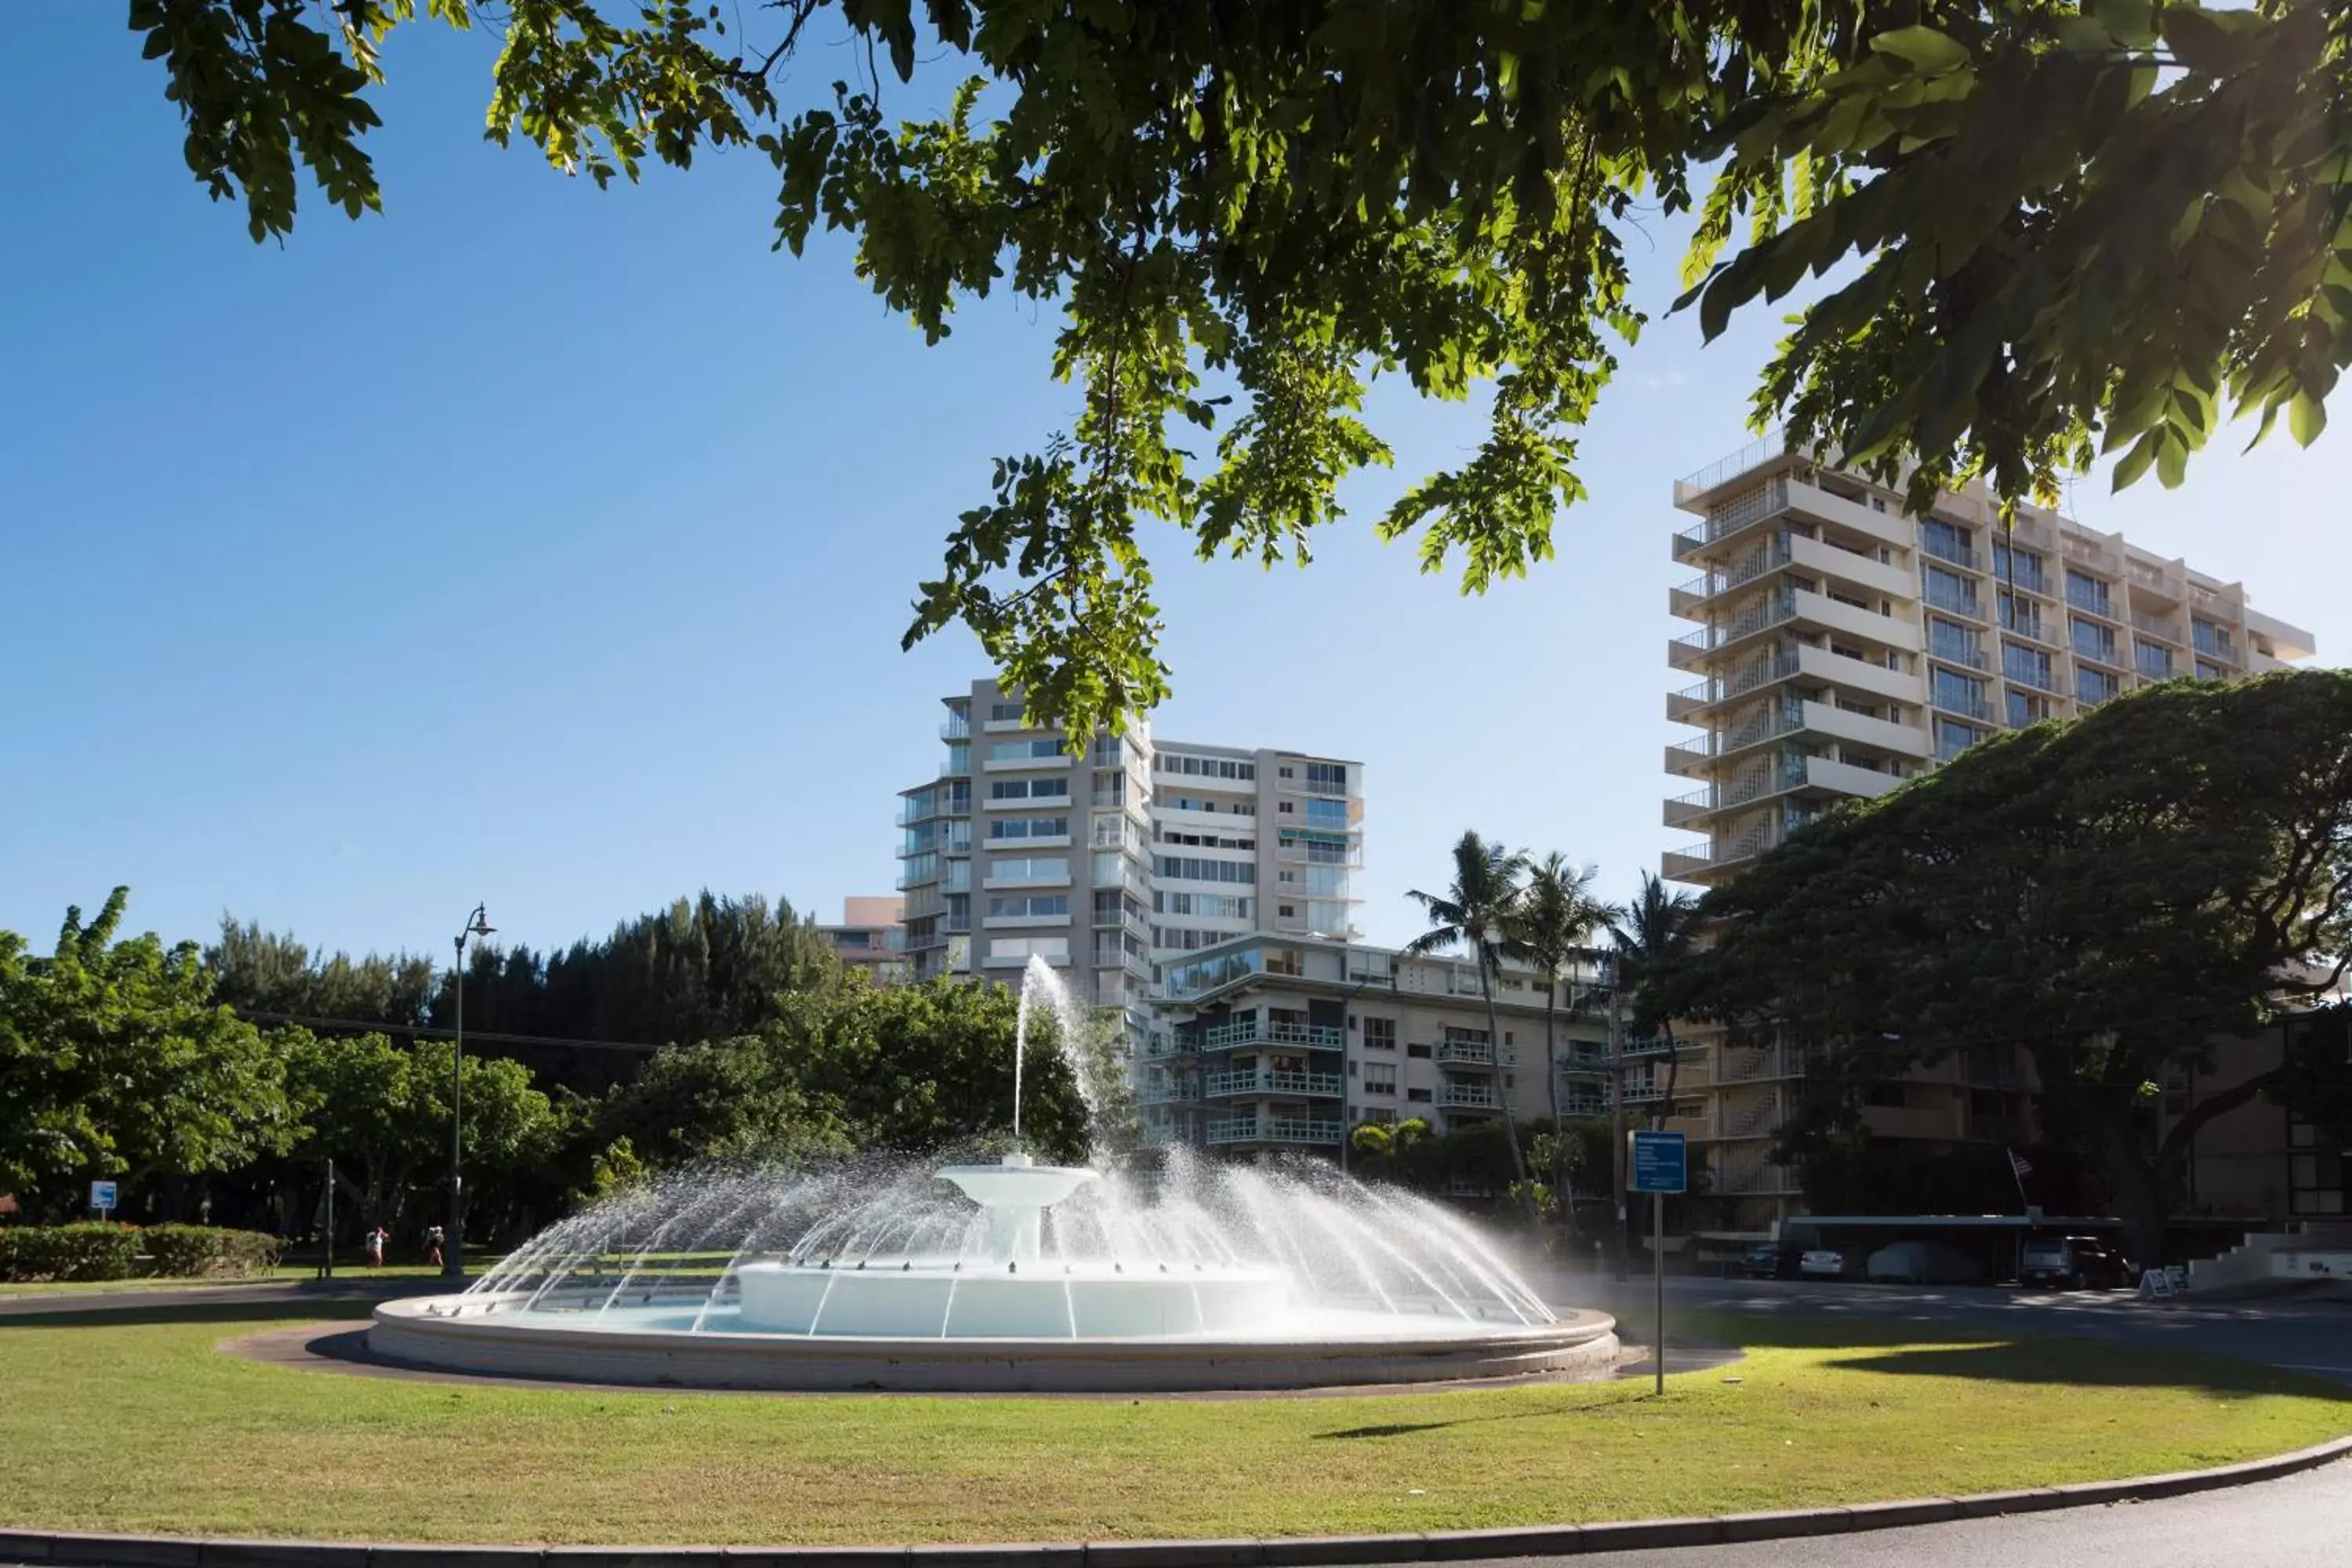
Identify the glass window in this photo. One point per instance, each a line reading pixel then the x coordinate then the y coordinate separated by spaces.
pixel 1030 827
pixel 1947 542
pixel 1952 739
pixel 1951 640
pixel 2095 685
pixel 1949 591
pixel 1958 692
pixel 1005 712
pixel 2029 666
pixel 2092 640
pixel 1379 1034
pixel 1029 947
pixel 2153 661
pixel 1022 751
pixel 2085 593
pixel 1030 905
pixel 1331 777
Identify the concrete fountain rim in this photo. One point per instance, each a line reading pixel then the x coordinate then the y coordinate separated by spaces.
pixel 420 1331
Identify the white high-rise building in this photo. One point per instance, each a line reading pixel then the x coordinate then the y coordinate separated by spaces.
pixel 1843 646
pixel 1110 863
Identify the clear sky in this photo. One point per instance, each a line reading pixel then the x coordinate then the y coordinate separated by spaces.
pixel 549 547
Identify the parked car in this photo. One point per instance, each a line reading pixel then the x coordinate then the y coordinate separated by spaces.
pixel 1921 1263
pixel 1769 1261
pixel 1821 1263
pixel 2075 1262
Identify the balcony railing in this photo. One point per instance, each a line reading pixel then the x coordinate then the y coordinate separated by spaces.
pixel 1953 602
pixel 1467 1097
pixel 1960 654
pixel 1976 707
pixel 1317 1085
pixel 1171 1093
pixel 2089 602
pixel 1270 1130
pixel 1944 550
pixel 1475 1053
pixel 2212 641
pixel 1249 1032
pixel 2155 625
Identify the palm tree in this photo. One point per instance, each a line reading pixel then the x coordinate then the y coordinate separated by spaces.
pixel 1555 921
pixel 1477 911
pixel 1653 936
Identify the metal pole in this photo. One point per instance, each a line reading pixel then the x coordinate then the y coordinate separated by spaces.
pixel 453 1264
pixel 1658 1270
pixel 329 1273
pixel 1617 1104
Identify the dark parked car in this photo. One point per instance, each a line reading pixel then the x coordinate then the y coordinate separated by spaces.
pixel 2074 1263
pixel 1768 1262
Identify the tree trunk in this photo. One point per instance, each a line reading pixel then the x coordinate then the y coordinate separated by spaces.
pixel 1551 1087
pixel 1494 1044
pixel 1673 1076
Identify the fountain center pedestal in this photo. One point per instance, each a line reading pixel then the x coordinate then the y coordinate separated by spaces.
pixel 1014 1193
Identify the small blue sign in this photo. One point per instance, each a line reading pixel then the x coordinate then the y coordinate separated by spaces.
pixel 101 1197
pixel 1659 1165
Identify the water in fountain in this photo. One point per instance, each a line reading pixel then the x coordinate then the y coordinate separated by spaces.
pixel 877 1248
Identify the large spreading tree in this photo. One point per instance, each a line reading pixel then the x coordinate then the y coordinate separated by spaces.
pixel 2113 898
pixel 2061 227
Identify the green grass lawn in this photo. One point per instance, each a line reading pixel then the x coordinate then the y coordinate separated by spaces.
pixel 134 1422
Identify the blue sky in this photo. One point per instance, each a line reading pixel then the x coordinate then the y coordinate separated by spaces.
pixel 551 548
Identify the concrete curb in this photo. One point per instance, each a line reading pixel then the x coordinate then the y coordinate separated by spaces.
pixel 86 1551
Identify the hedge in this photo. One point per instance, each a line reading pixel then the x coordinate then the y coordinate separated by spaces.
pixel 190 1251
pixel 91 1250
pixel 99 1250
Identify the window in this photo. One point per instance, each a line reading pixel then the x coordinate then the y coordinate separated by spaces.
pixel 1952 739
pixel 1035 869
pixel 2027 666
pixel 1218 906
pixel 1015 947
pixel 2020 566
pixel 1029 907
pixel 1957 694
pixel 2022 616
pixel 2025 709
pixel 1329 776
pixel 1949 591
pixel 1287 911
pixel 2085 593
pixel 2092 640
pixel 1029 789
pixel 2095 685
pixel 1379 1034
pixel 1184 938
pixel 1414 1050
pixel 2153 661
pixel 1327 814
pixel 1283 807
pixel 1022 751
pixel 2207 671
pixel 1005 713
pixel 1886 1094
pixel 1947 542
pixel 1380 1077
pixel 2206 638
pixel 1185 868
pixel 1950 640
pixel 1418 1096
pixel 1204 767
pixel 1286 773
pixel 1202 840
pixel 1030 827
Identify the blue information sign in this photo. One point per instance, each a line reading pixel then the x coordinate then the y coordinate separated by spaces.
pixel 1658 1163
pixel 101 1197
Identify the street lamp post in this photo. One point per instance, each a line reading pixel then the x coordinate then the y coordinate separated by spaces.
pixel 453 1250
pixel 1609 979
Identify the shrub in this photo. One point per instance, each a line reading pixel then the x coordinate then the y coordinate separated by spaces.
pixel 198 1251
pixel 94 1249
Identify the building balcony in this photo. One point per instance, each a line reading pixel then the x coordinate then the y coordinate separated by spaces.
pixel 1759 1064
pixel 1171 1047
pixel 2163 627
pixel 1309 1085
pixel 1172 1093
pixel 1584 1105
pixel 1757 1181
pixel 1250 1032
pixel 1468 1097
pixel 1472 1053
pixel 1305 1129
pixel 1733 516
pixel 1686 865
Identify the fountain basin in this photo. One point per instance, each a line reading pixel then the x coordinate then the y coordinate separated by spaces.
pixel 681 1345
pixel 990 1301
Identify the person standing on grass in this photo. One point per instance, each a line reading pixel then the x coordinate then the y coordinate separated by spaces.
pixel 375 1239
pixel 433 1245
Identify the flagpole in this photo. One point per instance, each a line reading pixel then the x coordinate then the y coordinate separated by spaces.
pixel 2023 1206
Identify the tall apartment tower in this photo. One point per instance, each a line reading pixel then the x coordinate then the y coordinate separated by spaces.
pixel 1108 864
pixel 1843 646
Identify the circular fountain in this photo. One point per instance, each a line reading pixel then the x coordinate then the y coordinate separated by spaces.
pixel 1003 1275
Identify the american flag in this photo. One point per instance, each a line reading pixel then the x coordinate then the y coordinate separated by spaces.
pixel 2017 1164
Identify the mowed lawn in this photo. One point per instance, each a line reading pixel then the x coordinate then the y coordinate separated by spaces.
pixel 136 1422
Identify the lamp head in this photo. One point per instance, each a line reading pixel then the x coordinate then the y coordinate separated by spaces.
pixel 480 925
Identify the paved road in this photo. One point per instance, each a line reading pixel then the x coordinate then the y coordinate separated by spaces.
pixel 2304 1336
pixel 2303 1521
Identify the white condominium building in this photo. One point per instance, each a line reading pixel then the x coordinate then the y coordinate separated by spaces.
pixel 1843 646
pixel 1268 1043
pixel 1133 853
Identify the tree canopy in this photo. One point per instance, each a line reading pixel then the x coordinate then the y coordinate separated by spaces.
pixel 2109 897
pixel 2063 228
